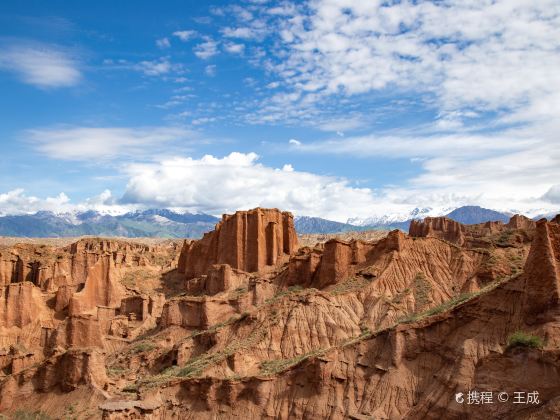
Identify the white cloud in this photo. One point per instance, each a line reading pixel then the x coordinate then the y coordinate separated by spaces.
pixel 206 49
pixel 497 56
pixel 237 181
pixel 210 70
pixel 243 33
pixel 41 65
pixel 184 35
pixel 512 169
pixel 341 124
pixel 17 202
pixel 155 67
pixel 87 143
pixel 294 142
pixel 553 194
pixel 234 48
pixel 163 43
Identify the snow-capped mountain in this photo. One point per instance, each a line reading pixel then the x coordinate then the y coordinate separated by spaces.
pixel 400 217
pixel 148 223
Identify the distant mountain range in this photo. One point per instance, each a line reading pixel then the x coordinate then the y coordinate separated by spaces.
pixel 169 224
pixel 149 223
pixel 470 215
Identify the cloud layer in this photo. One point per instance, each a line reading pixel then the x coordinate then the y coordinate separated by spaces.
pixel 43 66
pixel 238 181
pixel 90 143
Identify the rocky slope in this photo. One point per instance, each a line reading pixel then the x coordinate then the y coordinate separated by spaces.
pixel 246 323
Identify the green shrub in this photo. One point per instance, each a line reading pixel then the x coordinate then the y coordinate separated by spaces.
pixel 522 339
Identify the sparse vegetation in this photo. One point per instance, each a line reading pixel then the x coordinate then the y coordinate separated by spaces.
pixel 142 347
pixel 522 339
pixel 130 388
pixel 237 293
pixel 350 285
pixel 504 240
pixel 421 291
pixel 116 371
pixel 290 290
pixel 198 364
pixel 272 367
pixel 22 414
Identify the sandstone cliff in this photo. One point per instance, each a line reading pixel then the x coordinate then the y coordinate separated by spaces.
pixel 246 240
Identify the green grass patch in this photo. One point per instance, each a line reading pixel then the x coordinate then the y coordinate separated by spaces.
pixel 522 339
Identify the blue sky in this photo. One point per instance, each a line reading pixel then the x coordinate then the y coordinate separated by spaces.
pixel 334 108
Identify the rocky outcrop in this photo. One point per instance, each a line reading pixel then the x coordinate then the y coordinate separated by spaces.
pixel 101 289
pixel 438 227
pixel 63 372
pixel 22 304
pixel 521 222
pixel 49 268
pixel 338 258
pixel 81 331
pixel 247 240
pixel 542 270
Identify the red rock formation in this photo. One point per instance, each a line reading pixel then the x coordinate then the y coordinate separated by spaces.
pixel 438 227
pixel 101 288
pixel 246 240
pixel 521 222
pixel 302 267
pixel 390 328
pixel 80 331
pixel 21 304
pixel 63 372
pixel 542 269
pixel 556 219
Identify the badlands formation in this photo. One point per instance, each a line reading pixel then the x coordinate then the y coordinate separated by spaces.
pixel 246 324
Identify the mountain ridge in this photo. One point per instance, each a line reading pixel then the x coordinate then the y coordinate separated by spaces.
pixel 170 224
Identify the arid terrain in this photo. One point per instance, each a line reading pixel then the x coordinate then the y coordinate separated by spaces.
pixel 249 322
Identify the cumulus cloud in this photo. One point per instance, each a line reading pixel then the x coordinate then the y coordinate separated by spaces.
pixel 244 33
pixel 43 66
pixel 206 49
pixel 163 43
pixel 185 35
pixel 157 67
pixel 17 202
pixel 87 143
pixel 238 181
pixel 234 48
